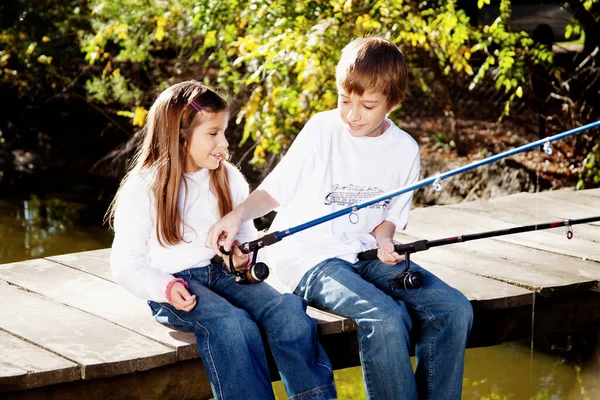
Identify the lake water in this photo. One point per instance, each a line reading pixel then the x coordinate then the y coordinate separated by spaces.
pixel 35 228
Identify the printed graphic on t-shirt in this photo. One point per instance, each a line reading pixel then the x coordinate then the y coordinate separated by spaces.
pixel 349 195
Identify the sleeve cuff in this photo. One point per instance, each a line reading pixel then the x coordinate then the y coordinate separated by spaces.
pixel 170 285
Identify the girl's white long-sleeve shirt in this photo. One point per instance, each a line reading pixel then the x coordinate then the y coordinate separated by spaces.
pixel 138 261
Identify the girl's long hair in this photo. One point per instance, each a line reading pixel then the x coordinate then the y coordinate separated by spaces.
pixel 166 135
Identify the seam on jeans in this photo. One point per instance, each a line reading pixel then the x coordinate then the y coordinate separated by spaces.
pixel 431 346
pixel 311 392
pixel 326 366
pixel 431 367
pixel 177 316
pixel 362 363
pixel 210 359
pixel 429 316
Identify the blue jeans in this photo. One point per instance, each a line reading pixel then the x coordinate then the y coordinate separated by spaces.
pixel 228 320
pixel 438 315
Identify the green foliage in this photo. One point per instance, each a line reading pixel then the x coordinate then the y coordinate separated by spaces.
pixel 277 58
pixel 114 87
pixel 590 168
pixel 38 42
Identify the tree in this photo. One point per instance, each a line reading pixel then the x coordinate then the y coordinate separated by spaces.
pixel 280 56
pixel 45 116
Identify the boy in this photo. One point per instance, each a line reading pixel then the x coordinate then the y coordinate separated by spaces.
pixel 343 157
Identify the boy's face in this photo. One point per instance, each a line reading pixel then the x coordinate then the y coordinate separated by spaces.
pixel 363 115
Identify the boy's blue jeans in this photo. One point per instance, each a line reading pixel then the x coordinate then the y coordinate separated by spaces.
pixel 226 321
pixel 439 315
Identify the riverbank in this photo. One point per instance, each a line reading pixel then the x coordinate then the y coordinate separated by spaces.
pixel 448 144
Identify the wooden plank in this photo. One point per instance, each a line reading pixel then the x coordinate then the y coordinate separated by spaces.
pixel 100 347
pixel 524 216
pixel 25 366
pixel 483 293
pixel 460 221
pixel 492 266
pixel 329 323
pixel 98 297
pixel 544 272
pixel 565 206
pixel 97 263
pixel 182 380
pixel 579 198
pixel 589 192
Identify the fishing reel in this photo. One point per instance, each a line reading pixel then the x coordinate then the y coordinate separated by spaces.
pixel 407 279
pixel 255 272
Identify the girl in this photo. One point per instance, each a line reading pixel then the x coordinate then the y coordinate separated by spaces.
pixel 180 185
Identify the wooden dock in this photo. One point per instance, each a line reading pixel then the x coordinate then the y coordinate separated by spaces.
pixel 68 331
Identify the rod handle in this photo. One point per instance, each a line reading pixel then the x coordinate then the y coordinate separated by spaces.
pixel 257 244
pixel 404 248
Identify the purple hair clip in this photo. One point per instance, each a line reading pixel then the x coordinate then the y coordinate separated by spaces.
pixel 195 105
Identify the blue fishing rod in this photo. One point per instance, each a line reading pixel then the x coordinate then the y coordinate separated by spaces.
pixel 274 237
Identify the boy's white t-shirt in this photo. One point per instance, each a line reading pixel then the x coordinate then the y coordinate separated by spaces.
pixel 326 170
pixel 138 261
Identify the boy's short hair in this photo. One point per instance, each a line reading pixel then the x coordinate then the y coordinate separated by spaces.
pixel 373 64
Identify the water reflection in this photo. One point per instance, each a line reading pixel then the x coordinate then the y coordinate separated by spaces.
pixel 502 372
pixel 36 227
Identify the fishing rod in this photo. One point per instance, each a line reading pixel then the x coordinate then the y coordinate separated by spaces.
pixel 414 279
pixel 274 237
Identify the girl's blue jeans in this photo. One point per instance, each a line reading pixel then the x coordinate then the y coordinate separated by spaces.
pixel 229 320
pixel 438 315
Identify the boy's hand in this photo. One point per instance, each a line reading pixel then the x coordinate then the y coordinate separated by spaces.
pixel 181 299
pixel 223 232
pixel 240 260
pixel 386 252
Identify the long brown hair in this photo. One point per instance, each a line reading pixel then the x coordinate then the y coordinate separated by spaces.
pixel 166 135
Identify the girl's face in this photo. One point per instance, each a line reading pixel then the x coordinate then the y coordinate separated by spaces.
pixel 207 144
pixel 363 115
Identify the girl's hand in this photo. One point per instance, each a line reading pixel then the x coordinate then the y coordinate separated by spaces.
pixel 386 252
pixel 181 299
pixel 240 260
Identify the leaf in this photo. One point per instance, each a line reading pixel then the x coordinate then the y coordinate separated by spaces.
pixel 568 31
pixel 127 114
pixel 211 39
pixel 519 92
pixel 31 48
pixel 139 116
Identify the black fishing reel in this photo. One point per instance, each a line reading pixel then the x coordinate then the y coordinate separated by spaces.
pixel 407 279
pixel 255 272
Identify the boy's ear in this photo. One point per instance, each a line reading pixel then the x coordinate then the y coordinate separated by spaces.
pixel 392 107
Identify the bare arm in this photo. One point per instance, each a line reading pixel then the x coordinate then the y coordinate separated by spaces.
pixel 223 232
